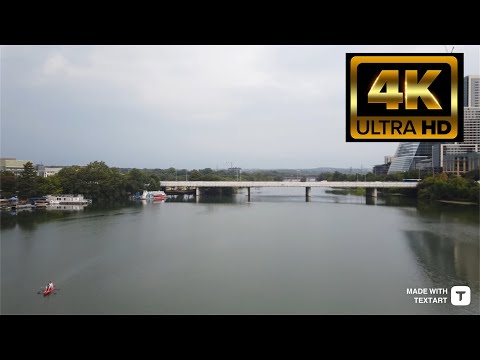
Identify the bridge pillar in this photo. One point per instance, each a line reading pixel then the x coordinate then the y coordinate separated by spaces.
pixel 197 192
pixel 248 194
pixel 371 192
pixel 370 200
pixel 308 190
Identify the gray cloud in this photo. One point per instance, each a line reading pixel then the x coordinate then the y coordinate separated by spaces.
pixel 185 106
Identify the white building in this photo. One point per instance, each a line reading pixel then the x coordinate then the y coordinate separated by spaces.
pixel 46 171
pixel 471 91
pixel 12 164
pixel 471 125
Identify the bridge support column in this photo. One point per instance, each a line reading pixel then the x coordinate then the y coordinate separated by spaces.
pixel 198 192
pixel 308 190
pixel 371 192
pixel 248 194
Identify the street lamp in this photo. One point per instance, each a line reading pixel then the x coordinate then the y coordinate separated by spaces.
pixel 176 179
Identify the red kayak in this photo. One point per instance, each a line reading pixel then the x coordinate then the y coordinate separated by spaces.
pixel 48 292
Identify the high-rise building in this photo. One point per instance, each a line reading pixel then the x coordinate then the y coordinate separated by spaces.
pixel 471 91
pixel 452 157
pixel 471 125
pixel 409 154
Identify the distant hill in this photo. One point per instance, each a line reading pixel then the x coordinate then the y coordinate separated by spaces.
pixel 302 172
pixel 315 171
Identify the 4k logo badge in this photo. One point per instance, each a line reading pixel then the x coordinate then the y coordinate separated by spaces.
pixel 404 97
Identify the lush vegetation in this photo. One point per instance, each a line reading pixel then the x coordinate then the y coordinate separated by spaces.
pixel 441 187
pixel 208 174
pixel 95 181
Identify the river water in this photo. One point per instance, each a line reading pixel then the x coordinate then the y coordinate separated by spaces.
pixel 277 254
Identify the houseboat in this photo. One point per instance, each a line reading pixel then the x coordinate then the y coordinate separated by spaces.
pixel 67 199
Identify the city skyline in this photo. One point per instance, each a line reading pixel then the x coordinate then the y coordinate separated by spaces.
pixel 186 106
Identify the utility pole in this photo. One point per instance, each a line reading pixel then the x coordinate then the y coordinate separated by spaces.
pixel 231 166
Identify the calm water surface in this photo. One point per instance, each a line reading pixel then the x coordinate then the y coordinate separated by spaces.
pixel 278 254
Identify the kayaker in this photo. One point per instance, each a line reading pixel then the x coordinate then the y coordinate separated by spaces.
pixel 50 286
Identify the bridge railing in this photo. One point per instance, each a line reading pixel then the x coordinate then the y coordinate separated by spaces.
pixel 331 184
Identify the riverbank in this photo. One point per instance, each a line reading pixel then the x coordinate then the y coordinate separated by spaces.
pixel 457 202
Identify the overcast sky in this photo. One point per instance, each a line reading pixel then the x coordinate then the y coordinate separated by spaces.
pixel 186 106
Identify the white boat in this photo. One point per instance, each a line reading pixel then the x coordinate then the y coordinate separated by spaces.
pixel 153 195
pixel 67 199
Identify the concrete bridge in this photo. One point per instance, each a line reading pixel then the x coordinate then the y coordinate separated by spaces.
pixel 371 186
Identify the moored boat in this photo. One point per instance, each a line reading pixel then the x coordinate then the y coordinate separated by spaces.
pixel 67 199
pixel 153 195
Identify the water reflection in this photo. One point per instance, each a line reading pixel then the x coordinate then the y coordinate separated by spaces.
pixel 446 260
pixel 457 212
pixel 28 220
pixel 65 207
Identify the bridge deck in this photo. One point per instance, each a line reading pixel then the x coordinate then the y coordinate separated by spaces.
pixel 251 184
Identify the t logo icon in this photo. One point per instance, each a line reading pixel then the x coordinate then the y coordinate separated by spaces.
pixel 460 295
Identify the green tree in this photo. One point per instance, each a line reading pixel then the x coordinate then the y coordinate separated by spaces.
pixel 135 181
pixel 27 181
pixel 473 174
pixel 49 185
pixel 8 184
pixel 70 179
pixel 153 182
pixel 338 176
pixel 195 175
pixel 441 187
pixel 99 182
pixel 394 177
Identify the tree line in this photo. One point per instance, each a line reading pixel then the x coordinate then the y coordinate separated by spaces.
pixel 442 187
pixel 95 181
pixel 99 182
